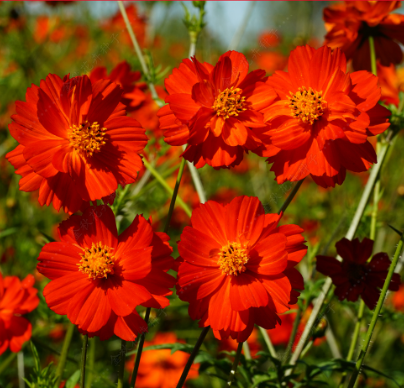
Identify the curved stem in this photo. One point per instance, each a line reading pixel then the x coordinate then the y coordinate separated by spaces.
pixel 121 371
pixel 376 313
pixel 293 334
pixel 138 51
pixel 83 361
pixel 235 364
pixel 63 355
pixel 268 342
pixel 160 179
pixel 139 351
pixel 290 196
pixel 192 356
pixel 246 350
pixel 174 196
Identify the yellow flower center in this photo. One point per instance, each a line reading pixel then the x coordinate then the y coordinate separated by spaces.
pixel 232 259
pixel 97 261
pixel 307 104
pixel 229 103
pixel 87 138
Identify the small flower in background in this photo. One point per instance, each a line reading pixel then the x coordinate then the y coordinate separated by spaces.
pixel 237 267
pixel 16 299
pixel 351 23
pixel 98 279
pixel 76 145
pixel 215 109
pixel 271 61
pixel 320 123
pixel 159 368
pixel 355 276
pixel 398 299
pixel 133 92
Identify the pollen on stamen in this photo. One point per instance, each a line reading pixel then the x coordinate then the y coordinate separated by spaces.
pixel 307 105
pixel 232 258
pixel 97 262
pixel 87 138
pixel 229 103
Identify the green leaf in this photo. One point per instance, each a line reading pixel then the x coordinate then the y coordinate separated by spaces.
pixel 73 379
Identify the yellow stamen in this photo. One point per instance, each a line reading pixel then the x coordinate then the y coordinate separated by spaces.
pixel 87 138
pixel 97 261
pixel 232 258
pixel 307 104
pixel 229 103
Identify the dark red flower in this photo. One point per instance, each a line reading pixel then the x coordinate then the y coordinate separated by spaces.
pixel 350 24
pixel 99 278
pixel 215 109
pixel 16 299
pixel 321 120
pixel 355 276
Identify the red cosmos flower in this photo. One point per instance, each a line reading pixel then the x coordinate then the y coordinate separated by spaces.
pixel 16 298
pixel 398 299
pixel 355 276
pixel 98 279
pixel 214 109
pixel 133 93
pixel 322 118
pixel 159 368
pixel 76 145
pixel 237 267
pixel 350 24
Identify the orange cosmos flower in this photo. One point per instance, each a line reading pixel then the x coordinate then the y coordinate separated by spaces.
pixel 76 145
pixel 98 279
pixel 133 93
pixel 159 368
pixel 16 298
pixel 350 24
pixel 237 267
pixel 320 123
pixel 215 109
pixel 398 299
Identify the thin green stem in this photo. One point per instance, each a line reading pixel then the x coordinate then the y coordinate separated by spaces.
pixel 246 350
pixel 121 371
pixel 376 196
pixel 197 180
pixel 175 193
pixel 192 356
pixel 139 351
pixel 83 361
pixel 293 334
pixel 233 370
pixel 307 348
pixel 240 32
pixel 63 356
pixel 268 342
pixel 138 51
pixel 91 360
pixel 7 362
pixel 290 196
pixel 354 341
pixel 376 313
pixel 160 179
pixel 372 55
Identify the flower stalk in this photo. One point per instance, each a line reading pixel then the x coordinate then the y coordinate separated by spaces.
pixel 83 361
pixel 121 370
pixel 63 356
pixel 233 370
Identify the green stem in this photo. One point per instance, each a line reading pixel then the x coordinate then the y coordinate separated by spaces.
pixel 63 356
pixel 7 362
pixel 354 339
pixel 240 32
pixel 91 359
pixel 372 55
pixel 246 350
pixel 376 313
pixel 290 196
pixel 139 351
pixel 233 370
pixel 174 196
pixel 376 196
pixel 160 179
pixel 196 179
pixel 138 52
pixel 293 334
pixel 83 361
pixel 307 348
pixel 268 342
pixel 121 371
pixel 192 356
